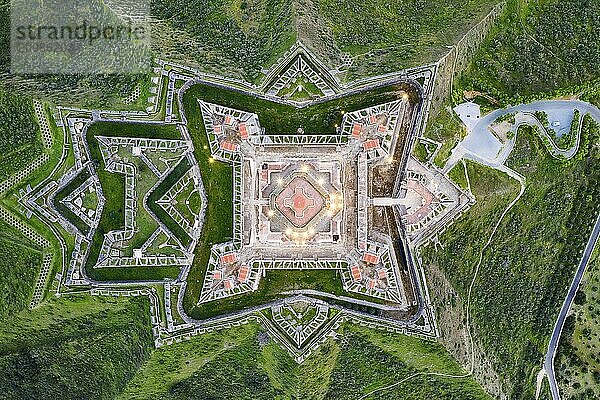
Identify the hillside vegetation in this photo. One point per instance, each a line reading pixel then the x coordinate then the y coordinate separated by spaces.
pixel 538 49
pixel 577 362
pixel 78 347
pixel 233 37
pixel 19 133
pixel 20 262
pixel 235 365
pixel 101 90
pixel 539 46
pixel 525 271
pixel 20 259
pixel 383 36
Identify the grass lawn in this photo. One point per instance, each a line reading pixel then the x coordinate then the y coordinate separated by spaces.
pixel 217 178
pixel 160 191
pixel 457 174
pixel 113 186
pixel 320 118
pixel 446 128
pixel 270 287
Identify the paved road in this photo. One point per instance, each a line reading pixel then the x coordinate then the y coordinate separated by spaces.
pixel 483 144
pixel 554 340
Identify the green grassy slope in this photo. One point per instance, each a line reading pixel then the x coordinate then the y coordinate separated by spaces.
pixel 234 37
pixel 534 254
pixel 234 365
pixel 19 267
pixel 240 38
pixel 77 347
pixel 19 133
pixel 385 36
pixel 20 144
pixel 101 91
pixel 319 118
pixel 539 46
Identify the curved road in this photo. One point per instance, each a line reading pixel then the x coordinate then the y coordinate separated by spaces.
pixel 482 143
pixel 560 322
pixel 482 146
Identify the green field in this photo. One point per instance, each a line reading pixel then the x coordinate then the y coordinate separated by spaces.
pixel 77 347
pixel 457 175
pixel 387 36
pixel 535 251
pixel 106 343
pixel 113 185
pixel 577 364
pixel 102 91
pixel 447 129
pixel 530 52
pixel 21 261
pixel 320 118
pixel 234 365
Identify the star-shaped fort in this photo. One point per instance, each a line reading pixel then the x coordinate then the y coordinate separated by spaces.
pixel 295 203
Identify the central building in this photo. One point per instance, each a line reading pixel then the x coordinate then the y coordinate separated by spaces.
pixel 299 201
pixel 303 202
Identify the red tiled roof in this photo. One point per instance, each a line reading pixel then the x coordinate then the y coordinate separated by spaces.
pixel 228 119
pixel 356 275
pixel 371 144
pixel 228 146
pixel 370 258
pixel 217 275
pixel 228 283
pixel 229 258
pixel 243 274
pixel 382 273
pixel 372 119
pixel 217 129
pixel 382 128
pixel 243 131
pixel 356 130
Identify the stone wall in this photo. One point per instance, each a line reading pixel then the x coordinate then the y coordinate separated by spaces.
pixel 458 58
